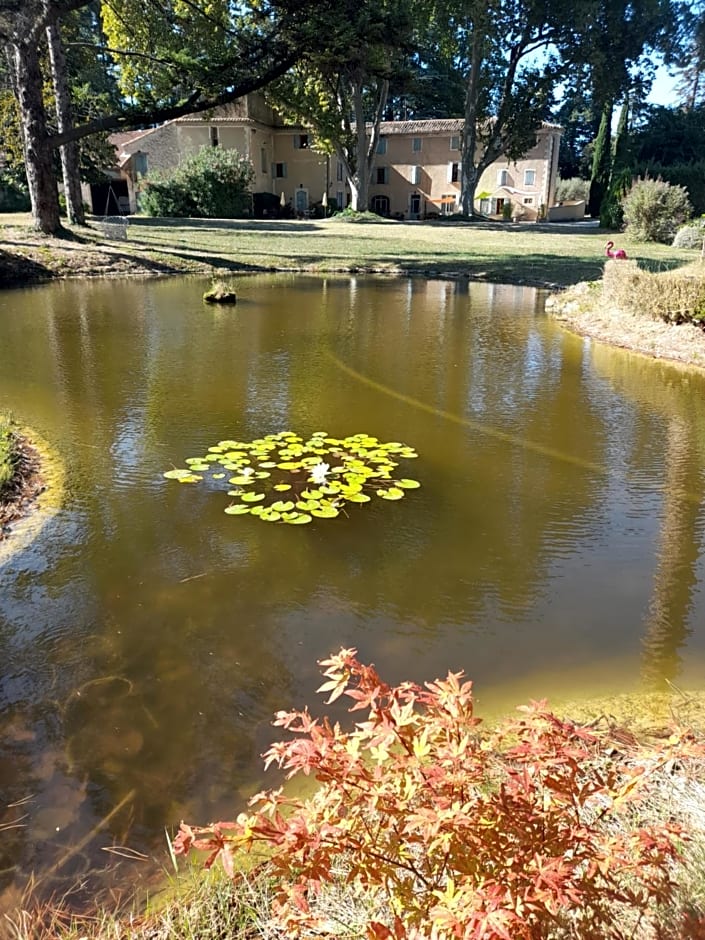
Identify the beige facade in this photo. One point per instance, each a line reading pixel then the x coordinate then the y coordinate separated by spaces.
pixel 416 173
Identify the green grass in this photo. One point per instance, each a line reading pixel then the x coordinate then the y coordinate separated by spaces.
pixel 7 453
pixel 529 254
pixel 543 255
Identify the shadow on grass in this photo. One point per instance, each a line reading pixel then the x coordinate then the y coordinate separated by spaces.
pixel 15 270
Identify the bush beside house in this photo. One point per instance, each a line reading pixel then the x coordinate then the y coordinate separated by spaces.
pixel 215 183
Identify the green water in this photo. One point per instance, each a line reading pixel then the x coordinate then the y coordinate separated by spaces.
pixel 146 638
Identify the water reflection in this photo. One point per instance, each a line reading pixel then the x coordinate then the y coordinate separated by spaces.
pixel 147 638
pixel 674 395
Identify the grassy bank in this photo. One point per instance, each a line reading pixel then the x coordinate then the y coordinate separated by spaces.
pixel 8 455
pixel 542 255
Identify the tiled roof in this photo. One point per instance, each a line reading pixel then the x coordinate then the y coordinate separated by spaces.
pixel 126 137
pixel 436 126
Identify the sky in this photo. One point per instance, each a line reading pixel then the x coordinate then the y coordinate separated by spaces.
pixel 663 88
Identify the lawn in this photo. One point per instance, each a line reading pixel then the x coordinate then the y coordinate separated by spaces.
pixel 543 255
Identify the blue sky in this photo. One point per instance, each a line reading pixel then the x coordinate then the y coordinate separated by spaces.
pixel 663 88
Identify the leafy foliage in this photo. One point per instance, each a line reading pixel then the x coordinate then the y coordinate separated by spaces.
pixel 455 832
pixel 654 210
pixel 299 484
pixel 214 183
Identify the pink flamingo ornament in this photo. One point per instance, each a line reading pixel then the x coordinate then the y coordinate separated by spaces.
pixel 619 253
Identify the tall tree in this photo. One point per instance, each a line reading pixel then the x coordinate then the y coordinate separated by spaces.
pixel 248 47
pixel 503 50
pixel 341 93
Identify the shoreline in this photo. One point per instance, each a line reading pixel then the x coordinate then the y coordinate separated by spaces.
pixel 581 311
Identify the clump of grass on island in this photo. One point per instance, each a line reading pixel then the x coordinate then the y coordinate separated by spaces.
pixel 673 296
pixel 220 293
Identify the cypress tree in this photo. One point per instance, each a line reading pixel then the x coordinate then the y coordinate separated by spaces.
pixel 601 162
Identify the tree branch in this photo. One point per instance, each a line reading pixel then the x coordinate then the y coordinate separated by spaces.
pixel 135 119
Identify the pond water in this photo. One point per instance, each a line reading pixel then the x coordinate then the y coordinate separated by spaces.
pixel 554 549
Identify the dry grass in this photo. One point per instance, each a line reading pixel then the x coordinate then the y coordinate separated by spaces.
pixel 677 297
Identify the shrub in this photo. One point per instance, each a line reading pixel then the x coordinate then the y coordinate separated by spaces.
pixel 446 831
pixel 655 210
pixel 690 236
pixel 572 190
pixel 214 183
pixel 14 196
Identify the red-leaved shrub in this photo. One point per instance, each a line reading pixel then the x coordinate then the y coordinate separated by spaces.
pixel 451 832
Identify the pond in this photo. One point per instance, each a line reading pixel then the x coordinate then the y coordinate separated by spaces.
pixel 555 547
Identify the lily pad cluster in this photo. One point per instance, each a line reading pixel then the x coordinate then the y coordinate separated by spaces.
pixel 286 478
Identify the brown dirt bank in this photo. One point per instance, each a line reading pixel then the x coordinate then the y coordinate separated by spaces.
pixel 582 310
pixel 19 495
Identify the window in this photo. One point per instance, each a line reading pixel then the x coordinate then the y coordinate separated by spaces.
pixel 380 205
pixel 214 136
pixel 139 161
pixel 263 159
pixel 528 200
pixel 382 145
pixel 455 143
pixel 454 173
pixel 448 204
pixel 416 175
pixel 416 144
pixel 502 177
pixel 340 199
pixel 382 174
pixel 301 141
pixel 339 172
pixel 279 171
pixel 529 177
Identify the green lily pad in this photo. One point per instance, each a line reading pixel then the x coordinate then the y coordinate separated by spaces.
pixel 307 504
pixel 252 497
pixel 391 493
pixel 356 497
pixel 257 510
pixel 270 515
pixel 325 512
pixel 282 505
pixel 236 510
pixel 282 487
pixel 408 484
pixel 242 480
pixel 218 476
pixel 268 464
pixel 176 474
pixel 289 465
pixel 300 518
pixel 191 478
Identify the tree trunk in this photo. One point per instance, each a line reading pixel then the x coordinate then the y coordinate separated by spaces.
pixel 469 174
pixel 69 152
pixel 37 149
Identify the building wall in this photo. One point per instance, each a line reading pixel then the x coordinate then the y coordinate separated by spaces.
pixel 416 173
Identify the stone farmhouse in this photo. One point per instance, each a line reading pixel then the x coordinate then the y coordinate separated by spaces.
pixel 416 173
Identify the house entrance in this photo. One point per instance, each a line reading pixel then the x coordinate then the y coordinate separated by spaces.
pixel 380 205
pixel 415 206
pixel 301 201
pixel 500 206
